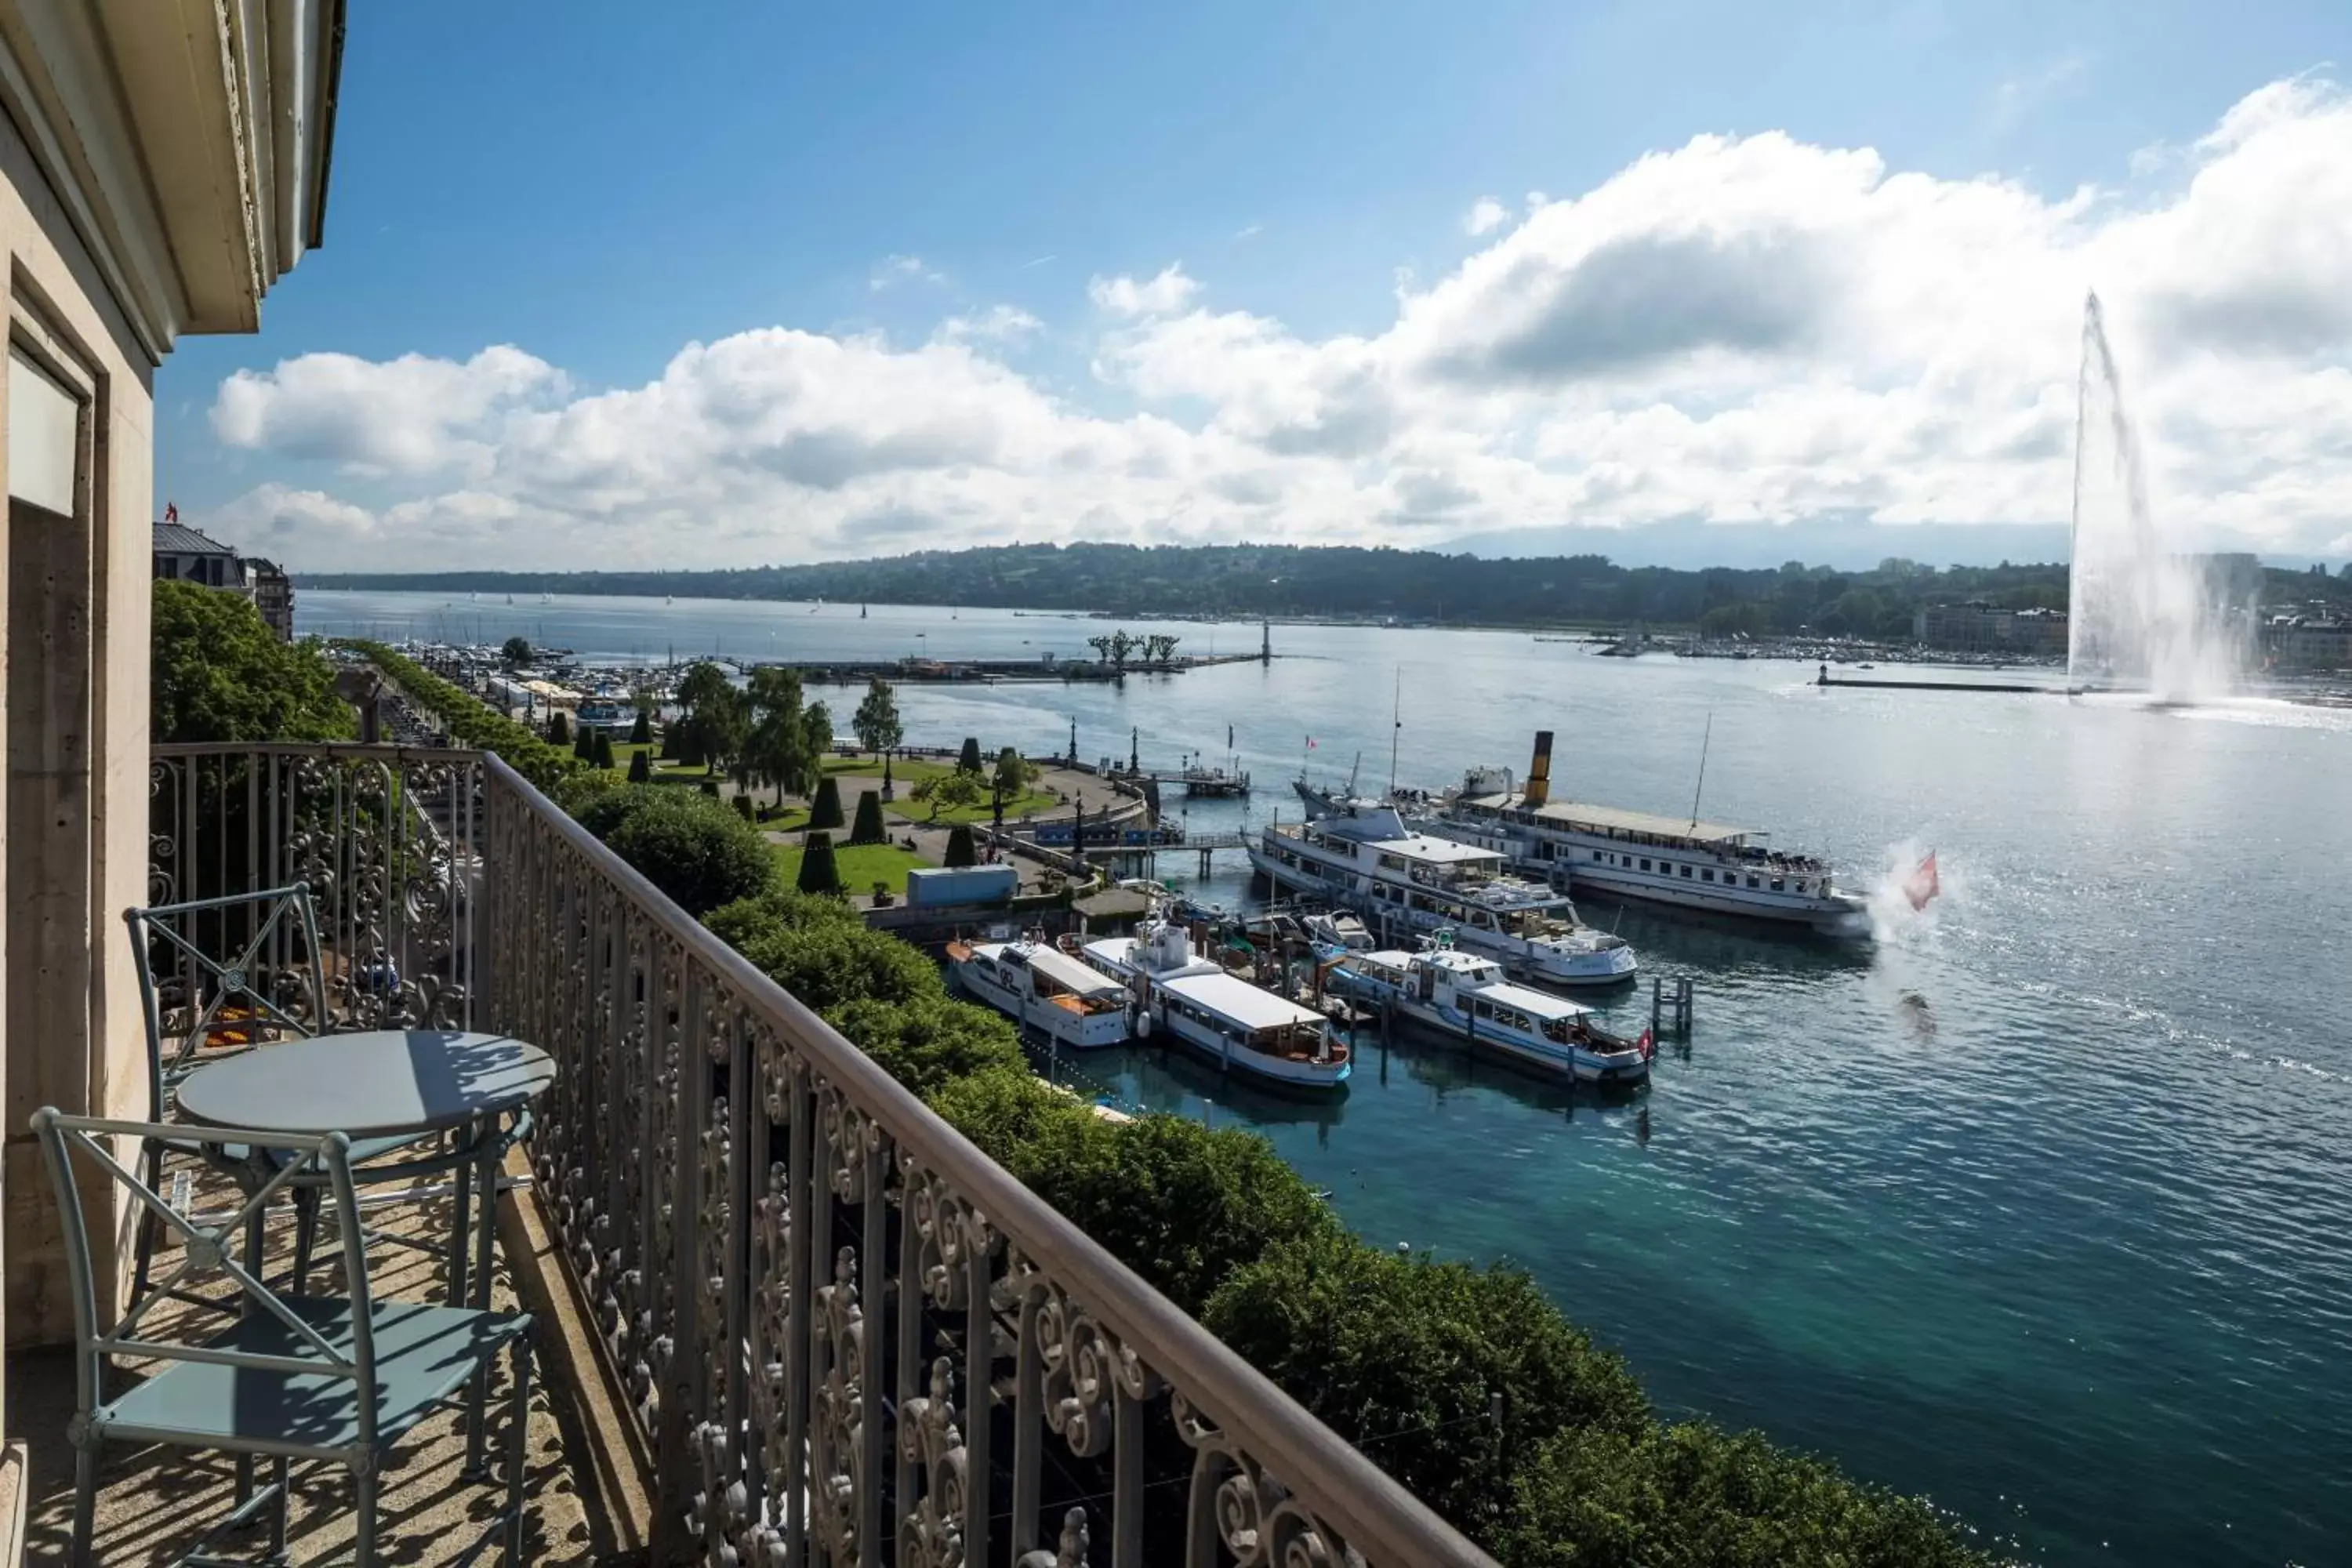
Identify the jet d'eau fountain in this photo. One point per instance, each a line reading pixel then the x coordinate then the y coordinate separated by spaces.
pixel 2140 616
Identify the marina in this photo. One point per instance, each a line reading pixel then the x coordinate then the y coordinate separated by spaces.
pixel 1956 1206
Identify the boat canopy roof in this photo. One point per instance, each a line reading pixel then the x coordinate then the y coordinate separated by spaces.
pixel 1609 819
pixel 1066 970
pixel 1240 1002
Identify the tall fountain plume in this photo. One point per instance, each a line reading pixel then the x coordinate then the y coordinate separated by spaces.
pixel 2139 615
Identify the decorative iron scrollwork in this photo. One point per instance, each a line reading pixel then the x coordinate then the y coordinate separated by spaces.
pixel 837 1422
pixel 931 1533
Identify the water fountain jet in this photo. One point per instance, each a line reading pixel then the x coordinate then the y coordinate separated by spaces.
pixel 2140 617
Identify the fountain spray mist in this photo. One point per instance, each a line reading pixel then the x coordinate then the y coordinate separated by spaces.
pixel 2138 615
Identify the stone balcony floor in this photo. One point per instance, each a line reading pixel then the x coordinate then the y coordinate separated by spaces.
pixel 155 1504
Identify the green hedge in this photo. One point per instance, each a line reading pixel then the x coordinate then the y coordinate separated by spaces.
pixel 470 722
pixel 1403 1357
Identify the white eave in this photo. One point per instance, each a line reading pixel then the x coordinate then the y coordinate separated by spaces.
pixel 187 142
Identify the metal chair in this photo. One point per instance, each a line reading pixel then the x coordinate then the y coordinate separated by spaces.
pixel 274 988
pixel 294 1379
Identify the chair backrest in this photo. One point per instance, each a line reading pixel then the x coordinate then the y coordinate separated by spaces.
pixel 244 965
pixel 209 1247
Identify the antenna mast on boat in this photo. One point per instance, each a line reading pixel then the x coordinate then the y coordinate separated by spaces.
pixel 1396 728
pixel 1695 789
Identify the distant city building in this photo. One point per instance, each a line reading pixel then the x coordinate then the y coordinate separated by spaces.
pixel 2320 639
pixel 1976 626
pixel 273 594
pixel 184 555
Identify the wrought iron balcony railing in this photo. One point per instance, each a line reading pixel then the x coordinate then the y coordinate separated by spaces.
pixel 847 1334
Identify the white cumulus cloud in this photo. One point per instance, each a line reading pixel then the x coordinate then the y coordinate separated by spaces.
pixel 1742 329
pixel 1485 215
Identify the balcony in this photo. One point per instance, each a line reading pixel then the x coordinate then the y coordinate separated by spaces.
pixel 820 1325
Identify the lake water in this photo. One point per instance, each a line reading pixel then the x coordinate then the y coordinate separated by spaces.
pixel 2036 1206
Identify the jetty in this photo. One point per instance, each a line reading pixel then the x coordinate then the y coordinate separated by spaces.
pixel 2015 687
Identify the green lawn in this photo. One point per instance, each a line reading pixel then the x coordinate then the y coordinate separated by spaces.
pixel 861 865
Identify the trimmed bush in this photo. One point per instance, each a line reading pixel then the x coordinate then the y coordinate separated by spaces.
pixel 641 733
pixel 818 872
pixel 559 729
pixel 603 750
pixel 961 850
pixel 1691 1493
pixel 583 743
pixel 867 828
pixel 710 788
pixel 824 809
pixel 773 911
pixel 928 1042
pixel 702 855
pixel 641 769
pixel 1181 1204
pixel 669 742
pixel 743 803
pixel 967 761
pixel 1412 1352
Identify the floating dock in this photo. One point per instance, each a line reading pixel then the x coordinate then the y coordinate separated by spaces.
pixel 1825 679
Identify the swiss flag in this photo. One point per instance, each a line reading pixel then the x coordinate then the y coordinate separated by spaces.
pixel 1922 884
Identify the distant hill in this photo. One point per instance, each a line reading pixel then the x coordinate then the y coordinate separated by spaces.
pixel 1850 544
pixel 1319 582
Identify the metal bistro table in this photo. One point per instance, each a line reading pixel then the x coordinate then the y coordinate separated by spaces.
pixel 385 1084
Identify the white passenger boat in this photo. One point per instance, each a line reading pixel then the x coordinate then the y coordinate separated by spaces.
pixel 1240 1026
pixel 1466 997
pixel 1040 987
pixel 1638 855
pixel 1406 883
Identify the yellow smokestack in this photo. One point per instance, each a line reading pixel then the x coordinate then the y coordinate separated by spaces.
pixel 1539 772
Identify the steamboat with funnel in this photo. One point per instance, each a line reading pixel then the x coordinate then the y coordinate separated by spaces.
pixel 1641 856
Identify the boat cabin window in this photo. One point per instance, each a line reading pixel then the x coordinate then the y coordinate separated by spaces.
pixel 1751 879
pixel 1686 870
pixel 1645 865
pixel 1598 856
pixel 1706 875
pixel 1780 884
pixel 1801 887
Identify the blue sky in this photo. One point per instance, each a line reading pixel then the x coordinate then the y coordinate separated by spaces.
pixel 600 185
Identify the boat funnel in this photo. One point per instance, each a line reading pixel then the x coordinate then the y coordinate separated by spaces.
pixel 1538 788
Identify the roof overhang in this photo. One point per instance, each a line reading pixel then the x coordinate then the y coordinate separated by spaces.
pixel 187 142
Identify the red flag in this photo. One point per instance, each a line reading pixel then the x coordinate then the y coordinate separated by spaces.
pixel 1922 884
pixel 171 513
pixel 1310 743
pixel 1646 1044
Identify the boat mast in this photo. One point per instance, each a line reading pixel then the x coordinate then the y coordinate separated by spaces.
pixel 1703 740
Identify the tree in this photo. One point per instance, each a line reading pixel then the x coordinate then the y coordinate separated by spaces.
pixel 960 849
pixel 640 770
pixel 825 811
pixel 219 673
pixel 949 792
pixel 816 731
pixel 558 728
pixel 641 733
pixel 818 873
pixel 516 653
pixel 716 711
pixel 968 759
pixel 688 845
pixel 1012 776
pixel 777 750
pixel 876 723
pixel 867 828
pixel 603 757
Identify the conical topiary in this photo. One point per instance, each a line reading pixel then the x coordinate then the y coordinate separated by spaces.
pixel 961 851
pixel 641 733
pixel 641 770
pixel 559 729
pixel 583 744
pixel 825 811
pixel 818 873
pixel 867 828
pixel 744 806
pixel 670 743
pixel 603 748
pixel 968 761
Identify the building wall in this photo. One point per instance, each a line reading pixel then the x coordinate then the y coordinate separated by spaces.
pixel 74 1036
